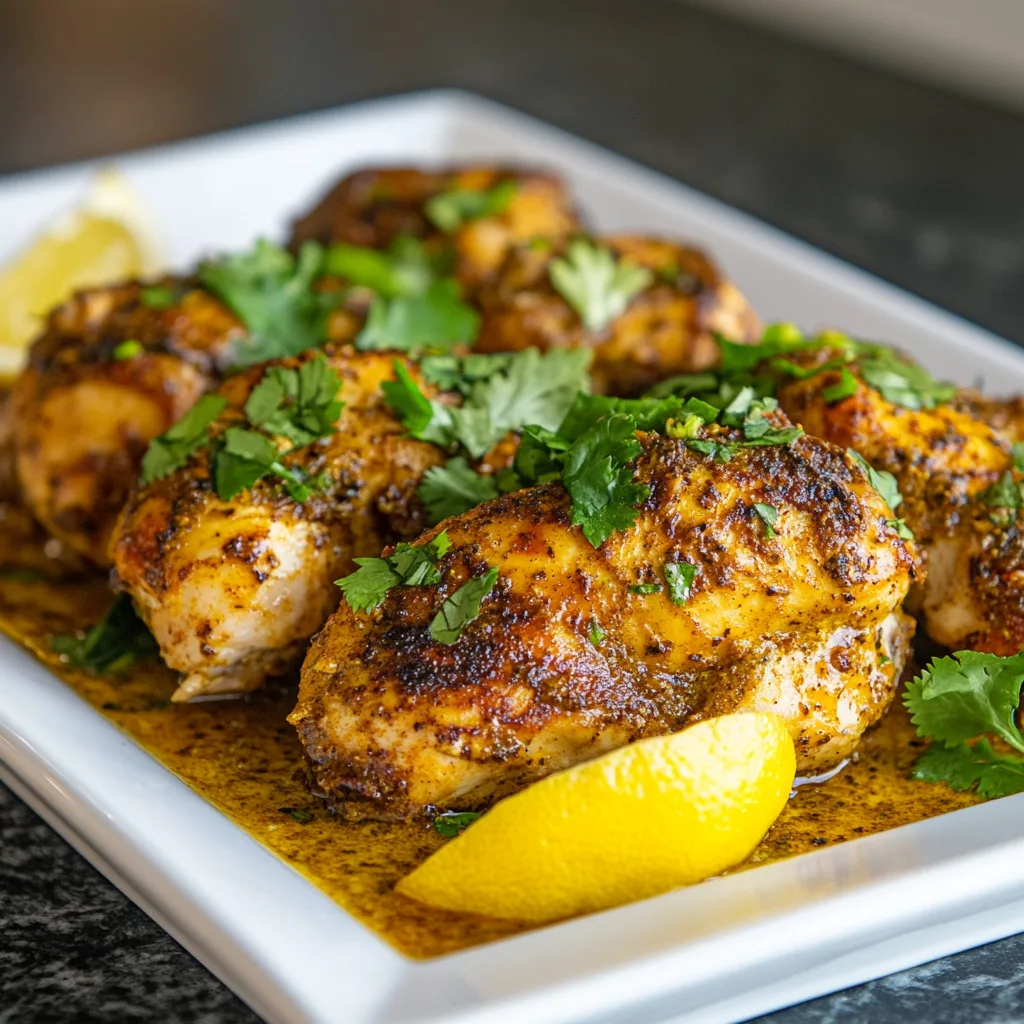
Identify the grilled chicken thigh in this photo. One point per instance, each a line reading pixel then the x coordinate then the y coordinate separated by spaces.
pixel 373 207
pixel 568 658
pixel 945 462
pixel 667 328
pixel 109 373
pixel 233 589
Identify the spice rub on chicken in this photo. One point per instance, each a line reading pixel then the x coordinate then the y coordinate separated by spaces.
pixel 648 308
pixel 473 214
pixel 256 503
pixel 113 368
pixel 772 581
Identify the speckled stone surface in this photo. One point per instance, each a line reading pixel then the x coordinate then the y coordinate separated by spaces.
pixel 918 186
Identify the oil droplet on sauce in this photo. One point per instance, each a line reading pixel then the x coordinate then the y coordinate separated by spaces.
pixel 243 757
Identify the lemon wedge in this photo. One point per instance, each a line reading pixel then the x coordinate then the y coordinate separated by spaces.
pixel 653 816
pixel 107 239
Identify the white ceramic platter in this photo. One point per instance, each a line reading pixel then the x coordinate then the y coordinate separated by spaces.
pixel 725 950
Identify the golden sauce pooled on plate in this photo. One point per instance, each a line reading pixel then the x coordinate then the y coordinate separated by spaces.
pixel 243 757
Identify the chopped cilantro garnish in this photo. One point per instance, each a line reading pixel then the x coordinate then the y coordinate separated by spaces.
pixel 769 516
pixel 1004 493
pixel 272 293
pixel 301 405
pixel 454 488
pixel 596 285
pixel 118 640
pixel 595 634
pixel 437 319
pixel 680 576
pixel 903 383
pixel 461 608
pixel 1017 451
pixel 449 210
pixel 158 297
pixel 903 531
pixel 404 268
pixel 171 450
pixel 450 823
pixel 409 566
pixel 961 698
pixel 643 589
pixel 127 350
pixel 844 388
pixel 883 482
pixel 246 457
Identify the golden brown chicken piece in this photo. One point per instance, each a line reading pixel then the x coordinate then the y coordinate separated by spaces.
pixel 233 589
pixel 1004 415
pixel 568 658
pixel 945 462
pixel 667 329
pixel 373 207
pixel 109 373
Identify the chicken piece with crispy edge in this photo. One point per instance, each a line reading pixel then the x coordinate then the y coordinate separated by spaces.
pixel 232 590
pixel 567 659
pixel 944 461
pixel 373 207
pixel 107 375
pixel 667 329
pixel 1004 415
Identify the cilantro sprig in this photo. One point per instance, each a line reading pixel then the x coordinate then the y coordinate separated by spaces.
pixel 299 405
pixel 462 607
pixel 596 285
pixel 967 697
pixel 451 209
pixel 271 292
pixel 409 566
pixel 449 824
pixel 115 643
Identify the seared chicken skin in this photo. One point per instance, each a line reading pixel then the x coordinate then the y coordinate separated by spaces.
pixel 945 462
pixel 567 659
pixel 667 329
pixel 373 207
pixel 232 590
pixel 108 374
pixel 1004 415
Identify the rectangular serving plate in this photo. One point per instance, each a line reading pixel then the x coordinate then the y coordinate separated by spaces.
pixel 725 950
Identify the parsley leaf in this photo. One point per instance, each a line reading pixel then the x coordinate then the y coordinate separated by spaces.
pixel 769 517
pixel 404 268
pixel 958 698
pixel 409 565
pixel 449 210
pixel 118 640
pixel 680 577
pixel 436 319
pixel 171 450
pixel 969 766
pixel 272 293
pixel 450 823
pixel 461 608
pixel 883 482
pixel 596 285
pixel 454 488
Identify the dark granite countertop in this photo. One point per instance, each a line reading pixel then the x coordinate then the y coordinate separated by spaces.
pixel 919 186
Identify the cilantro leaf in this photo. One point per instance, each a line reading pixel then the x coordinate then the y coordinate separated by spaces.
pixel 461 608
pixel 958 698
pixel 598 477
pixel 301 404
pixel 769 516
pixel 118 640
pixel 976 766
pixel 272 293
pixel 245 458
pixel 437 319
pixel 595 634
pixel 454 488
pixel 460 373
pixel 680 577
pixel 425 419
pixel 158 297
pixel 409 565
pixel 127 350
pixel 903 383
pixel 883 482
pixel 171 450
pixel 1017 450
pixel 643 589
pixel 451 823
pixel 449 210
pixel 403 269
pixel 596 285
pixel 844 388
pixel 1004 493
